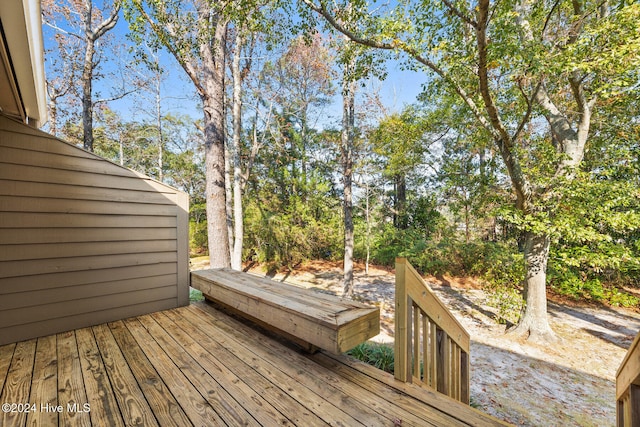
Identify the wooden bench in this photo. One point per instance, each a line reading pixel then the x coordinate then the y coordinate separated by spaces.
pixel 313 319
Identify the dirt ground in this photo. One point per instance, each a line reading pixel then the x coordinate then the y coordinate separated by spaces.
pixel 571 383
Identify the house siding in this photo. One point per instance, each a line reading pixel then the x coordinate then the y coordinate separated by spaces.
pixel 83 241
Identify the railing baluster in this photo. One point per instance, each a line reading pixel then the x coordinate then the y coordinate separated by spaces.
pixel 425 349
pixel 433 352
pixel 441 360
pixel 416 341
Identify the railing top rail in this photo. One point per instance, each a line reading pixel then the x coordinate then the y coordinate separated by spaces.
pixel 429 303
pixel 629 370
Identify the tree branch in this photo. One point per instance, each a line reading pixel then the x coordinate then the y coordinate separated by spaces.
pixel 108 23
pixel 459 14
pixel 402 46
pixel 167 29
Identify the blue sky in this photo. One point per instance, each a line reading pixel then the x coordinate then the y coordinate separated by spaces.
pixel 399 88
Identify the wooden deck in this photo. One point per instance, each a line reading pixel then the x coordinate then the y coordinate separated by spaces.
pixel 197 366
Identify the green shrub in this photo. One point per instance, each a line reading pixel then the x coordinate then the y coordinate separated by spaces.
pixel 378 355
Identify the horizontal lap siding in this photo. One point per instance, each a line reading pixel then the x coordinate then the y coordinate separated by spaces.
pixel 82 240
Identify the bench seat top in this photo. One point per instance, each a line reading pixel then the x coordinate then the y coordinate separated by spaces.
pixel 324 320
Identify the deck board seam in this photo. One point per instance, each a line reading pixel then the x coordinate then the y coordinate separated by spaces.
pixel 272 377
pixel 315 383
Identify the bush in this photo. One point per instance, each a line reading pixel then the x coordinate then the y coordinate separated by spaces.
pixel 378 355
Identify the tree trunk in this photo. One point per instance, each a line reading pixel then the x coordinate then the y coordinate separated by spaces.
pixel 87 99
pixel 368 233
pixel 215 181
pixel 348 123
pixel 53 116
pixel 159 125
pixel 533 323
pixel 238 230
pixel 400 217
pixel 228 192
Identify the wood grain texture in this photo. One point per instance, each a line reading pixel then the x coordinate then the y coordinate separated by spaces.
pixel 45 383
pixel 326 321
pixel 164 405
pixel 100 396
pixel 71 391
pixel 132 403
pixel 195 365
pixel 18 383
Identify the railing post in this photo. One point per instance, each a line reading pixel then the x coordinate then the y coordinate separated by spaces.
pixel 628 388
pixel 402 365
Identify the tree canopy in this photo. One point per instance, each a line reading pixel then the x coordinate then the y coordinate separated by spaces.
pixel 517 162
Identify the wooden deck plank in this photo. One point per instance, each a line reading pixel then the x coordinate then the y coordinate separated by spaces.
pixel 222 402
pixel 380 411
pixel 71 392
pixel 287 405
pixel 361 372
pixel 315 394
pixel 18 383
pixel 264 412
pixel 132 403
pixel 100 396
pixel 195 406
pixel 6 354
pixel 328 385
pixel 163 404
pixel 44 388
pixel 196 365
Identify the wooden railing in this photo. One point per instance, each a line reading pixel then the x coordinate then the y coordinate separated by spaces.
pixel 628 387
pixel 431 346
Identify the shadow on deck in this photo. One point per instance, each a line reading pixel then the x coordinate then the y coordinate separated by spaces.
pixel 198 366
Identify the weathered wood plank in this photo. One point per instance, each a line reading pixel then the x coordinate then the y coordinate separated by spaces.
pixel 327 384
pixel 104 408
pixel 131 401
pixel 281 365
pixel 296 402
pixel 71 391
pixel 6 354
pixel 427 401
pixel 165 407
pixel 629 370
pixel 220 399
pixel 281 401
pixel 325 321
pixel 18 383
pixel 192 402
pixel 210 360
pixel 44 388
pixel 432 305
